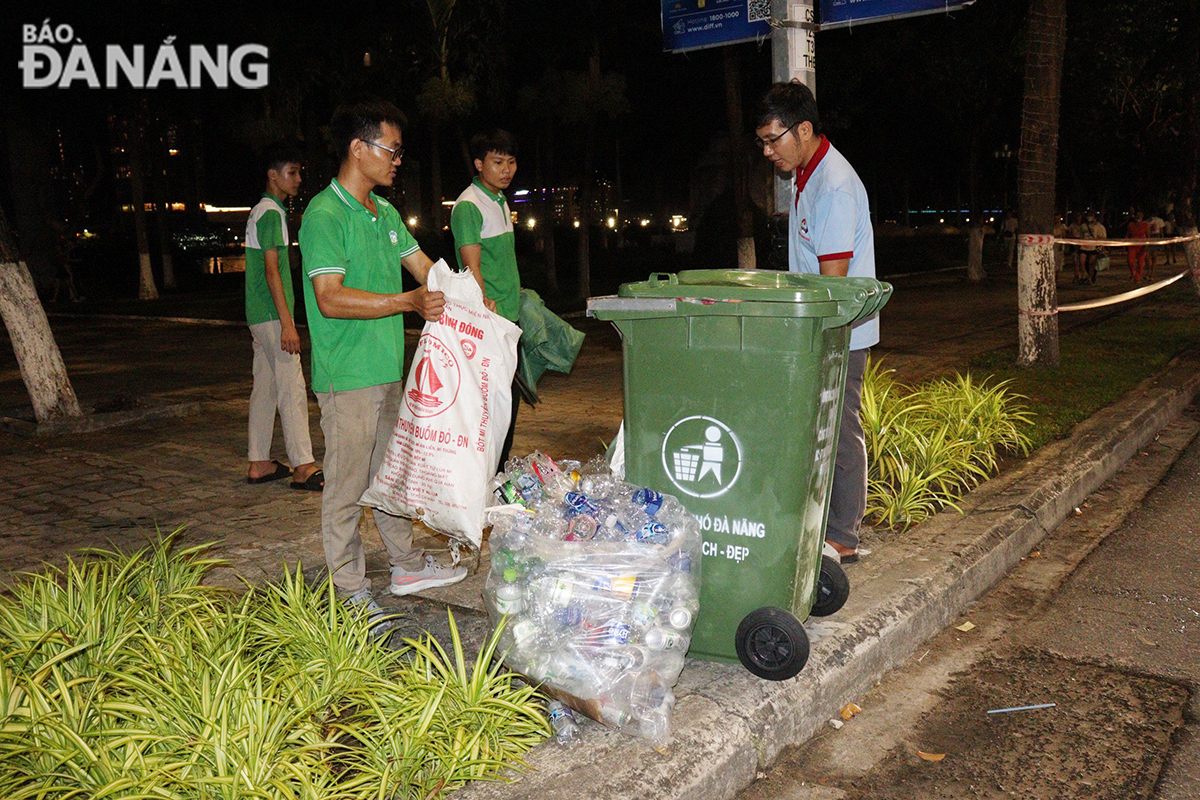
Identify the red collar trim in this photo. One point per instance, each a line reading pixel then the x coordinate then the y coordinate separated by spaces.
pixel 811 167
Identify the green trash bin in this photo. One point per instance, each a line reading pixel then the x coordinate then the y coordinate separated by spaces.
pixel 733 391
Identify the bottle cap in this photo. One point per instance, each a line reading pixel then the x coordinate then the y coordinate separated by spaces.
pixel 680 616
pixel 510 574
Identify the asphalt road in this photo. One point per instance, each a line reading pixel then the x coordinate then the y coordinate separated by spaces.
pixel 1103 621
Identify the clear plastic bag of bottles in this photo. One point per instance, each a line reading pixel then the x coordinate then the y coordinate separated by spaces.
pixel 599 583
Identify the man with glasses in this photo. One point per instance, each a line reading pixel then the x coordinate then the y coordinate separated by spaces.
pixel 829 233
pixel 354 245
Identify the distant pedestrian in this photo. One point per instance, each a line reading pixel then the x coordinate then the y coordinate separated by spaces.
pixel 1073 251
pixel 1169 229
pixel 1060 255
pixel 1008 230
pixel 278 379
pixel 484 241
pixel 355 249
pixel 1138 229
pixel 1092 229
pixel 829 233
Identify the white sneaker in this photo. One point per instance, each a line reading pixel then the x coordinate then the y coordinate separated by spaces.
pixel 431 575
pixel 382 622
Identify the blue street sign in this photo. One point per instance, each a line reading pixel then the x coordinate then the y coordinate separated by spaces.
pixel 840 13
pixel 694 24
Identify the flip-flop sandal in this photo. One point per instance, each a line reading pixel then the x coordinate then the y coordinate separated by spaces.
pixel 280 472
pixel 314 483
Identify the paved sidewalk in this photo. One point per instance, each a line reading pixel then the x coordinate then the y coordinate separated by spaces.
pixel 114 486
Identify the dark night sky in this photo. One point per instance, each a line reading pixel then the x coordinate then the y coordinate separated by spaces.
pixel 901 99
pixel 676 101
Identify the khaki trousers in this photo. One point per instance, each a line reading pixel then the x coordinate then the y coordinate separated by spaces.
pixel 278 385
pixel 358 425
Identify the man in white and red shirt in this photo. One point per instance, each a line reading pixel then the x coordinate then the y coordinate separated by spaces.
pixel 829 233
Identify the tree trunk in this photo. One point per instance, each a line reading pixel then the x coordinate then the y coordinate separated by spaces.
pixel 1037 320
pixel 147 290
pixel 435 180
pixel 160 220
pixel 975 271
pixel 1191 256
pixel 738 168
pixel 585 182
pixel 546 207
pixel 1192 118
pixel 38 356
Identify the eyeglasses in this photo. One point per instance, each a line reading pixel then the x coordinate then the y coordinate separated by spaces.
pixel 397 153
pixel 760 142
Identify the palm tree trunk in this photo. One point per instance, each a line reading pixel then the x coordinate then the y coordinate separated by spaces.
pixel 38 356
pixel 975 270
pixel 160 219
pixel 1037 321
pixel 147 290
pixel 585 182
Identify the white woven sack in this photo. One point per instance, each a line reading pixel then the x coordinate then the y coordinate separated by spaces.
pixel 454 416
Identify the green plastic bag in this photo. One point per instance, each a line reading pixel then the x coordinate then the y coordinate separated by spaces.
pixel 547 342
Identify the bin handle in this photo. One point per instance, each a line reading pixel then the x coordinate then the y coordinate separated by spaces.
pixel 657 279
pixel 866 303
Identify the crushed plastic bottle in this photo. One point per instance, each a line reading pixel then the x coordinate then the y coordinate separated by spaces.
pixel 566 730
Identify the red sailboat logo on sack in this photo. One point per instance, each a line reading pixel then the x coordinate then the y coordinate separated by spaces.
pixel 436 379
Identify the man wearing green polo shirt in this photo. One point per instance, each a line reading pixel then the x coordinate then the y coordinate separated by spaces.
pixel 483 235
pixel 278 380
pixel 354 246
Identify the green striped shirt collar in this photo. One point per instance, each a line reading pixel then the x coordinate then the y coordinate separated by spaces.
pixel 497 196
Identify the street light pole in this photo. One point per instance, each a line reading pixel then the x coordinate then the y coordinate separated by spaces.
pixel 793 55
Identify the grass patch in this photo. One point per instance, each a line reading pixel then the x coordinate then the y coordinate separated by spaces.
pixel 1099 364
pixel 929 445
pixel 122 676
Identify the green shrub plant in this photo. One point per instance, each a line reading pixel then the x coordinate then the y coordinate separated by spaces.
pixel 122 676
pixel 928 445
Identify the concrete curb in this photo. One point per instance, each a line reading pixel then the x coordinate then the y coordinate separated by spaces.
pixel 728 724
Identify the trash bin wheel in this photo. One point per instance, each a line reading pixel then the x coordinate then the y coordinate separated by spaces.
pixel 772 644
pixel 833 588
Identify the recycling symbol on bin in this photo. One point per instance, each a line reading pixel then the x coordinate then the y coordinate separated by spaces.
pixel 702 456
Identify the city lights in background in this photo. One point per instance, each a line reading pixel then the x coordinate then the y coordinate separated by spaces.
pixel 530 223
pixel 645 222
pixel 678 220
pixel 611 222
pixel 576 223
pixel 412 222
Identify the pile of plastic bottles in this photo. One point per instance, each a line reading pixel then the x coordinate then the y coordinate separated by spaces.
pixel 600 584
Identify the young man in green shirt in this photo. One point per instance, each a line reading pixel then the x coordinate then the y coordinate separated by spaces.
pixel 483 236
pixel 355 246
pixel 278 380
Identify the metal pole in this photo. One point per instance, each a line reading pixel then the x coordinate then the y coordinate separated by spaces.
pixel 793 55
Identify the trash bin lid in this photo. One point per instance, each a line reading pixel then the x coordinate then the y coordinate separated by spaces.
pixel 747 285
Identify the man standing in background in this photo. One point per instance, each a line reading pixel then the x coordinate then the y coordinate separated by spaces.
pixel 270 304
pixel 483 237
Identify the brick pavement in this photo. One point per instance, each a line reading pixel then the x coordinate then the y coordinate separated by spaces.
pixel 117 486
